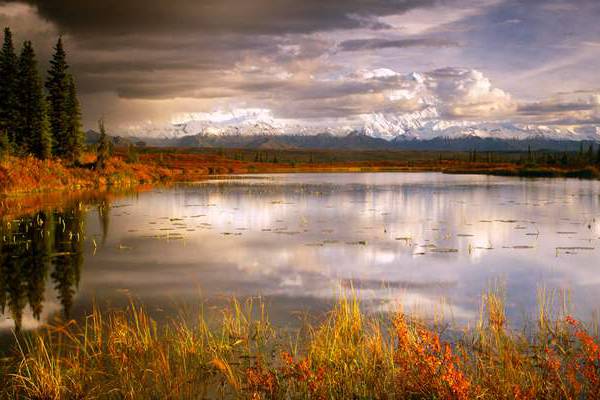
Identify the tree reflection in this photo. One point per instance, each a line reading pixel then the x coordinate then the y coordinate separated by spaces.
pixel 104 218
pixel 33 249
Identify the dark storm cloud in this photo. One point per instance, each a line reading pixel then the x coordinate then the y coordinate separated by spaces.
pixel 116 17
pixel 140 59
pixel 205 61
pixel 374 44
pixel 113 43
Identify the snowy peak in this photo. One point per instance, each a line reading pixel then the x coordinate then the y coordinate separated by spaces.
pixel 425 125
pixel 237 122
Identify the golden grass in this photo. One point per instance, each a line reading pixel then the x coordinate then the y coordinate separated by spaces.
pixel 126 355
pixel 20 175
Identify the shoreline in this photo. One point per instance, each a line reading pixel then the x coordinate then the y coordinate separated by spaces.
pixel 26 177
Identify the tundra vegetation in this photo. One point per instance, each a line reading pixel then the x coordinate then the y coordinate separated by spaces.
pixel 349 354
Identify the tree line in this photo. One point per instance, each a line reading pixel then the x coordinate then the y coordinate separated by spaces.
pixel 41 118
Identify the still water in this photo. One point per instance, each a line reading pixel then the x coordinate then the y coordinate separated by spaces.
pixel 427 241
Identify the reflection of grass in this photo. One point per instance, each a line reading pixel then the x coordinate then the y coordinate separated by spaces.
pixel 349 355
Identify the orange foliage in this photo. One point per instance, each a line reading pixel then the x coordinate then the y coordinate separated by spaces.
pixel 426 366
pixel 29 174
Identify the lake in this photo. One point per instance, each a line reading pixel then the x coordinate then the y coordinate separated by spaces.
pixel 429 241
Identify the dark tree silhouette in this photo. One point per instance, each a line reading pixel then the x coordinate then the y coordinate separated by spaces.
pixel 74 135
pixel 103 150
pixel 57 84
pixel 33 130
pixel 8 87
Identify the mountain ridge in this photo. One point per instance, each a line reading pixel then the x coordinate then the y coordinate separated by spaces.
pixel 354 140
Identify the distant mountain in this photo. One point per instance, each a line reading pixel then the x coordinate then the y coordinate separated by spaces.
pixel 245 122
pixel 425 125
pixel 420 130
pixel 360 141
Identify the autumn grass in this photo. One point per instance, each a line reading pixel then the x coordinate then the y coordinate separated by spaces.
pixel 20 175
pixel 544 171
pixel 350 354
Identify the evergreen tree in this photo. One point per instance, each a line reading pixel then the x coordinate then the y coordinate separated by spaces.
pixel 8 87
pixel 103 150
pixel 33 131
pixel 74 134
pixel 58 84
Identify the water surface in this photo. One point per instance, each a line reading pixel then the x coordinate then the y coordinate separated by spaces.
pixel 426 240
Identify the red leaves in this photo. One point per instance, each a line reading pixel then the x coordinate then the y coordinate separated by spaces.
pixel 426 366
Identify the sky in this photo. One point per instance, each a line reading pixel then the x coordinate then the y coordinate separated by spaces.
pixel 141 64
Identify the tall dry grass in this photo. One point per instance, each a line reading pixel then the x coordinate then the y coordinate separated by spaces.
pixel 127 355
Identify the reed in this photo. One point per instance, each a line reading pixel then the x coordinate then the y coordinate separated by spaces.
pixel 349 354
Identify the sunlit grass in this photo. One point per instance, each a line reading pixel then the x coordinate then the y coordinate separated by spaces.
pixel 350 354
pixel 19 175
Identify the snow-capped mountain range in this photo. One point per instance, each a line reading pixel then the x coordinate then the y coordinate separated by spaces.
pixel 425 124
pixel 448 103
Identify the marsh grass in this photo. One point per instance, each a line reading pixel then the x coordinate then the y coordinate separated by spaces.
pixel 349 354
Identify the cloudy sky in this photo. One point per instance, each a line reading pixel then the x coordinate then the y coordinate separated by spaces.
pixel 143 63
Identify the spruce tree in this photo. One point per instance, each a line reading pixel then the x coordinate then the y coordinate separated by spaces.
pixel 74 133
pixel 33 130
pixel 103 150
pixel 8 87
pixel 58 85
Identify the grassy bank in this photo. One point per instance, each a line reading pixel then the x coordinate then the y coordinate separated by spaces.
pixel 186 164
pixel 20 175
pixel 348 355
pixel 588 172
pixel 130 168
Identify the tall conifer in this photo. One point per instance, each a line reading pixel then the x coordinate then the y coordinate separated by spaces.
pixel 33 130
pixel 74 134
pixel 8 87
pixel 57 84
pixel 103 149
